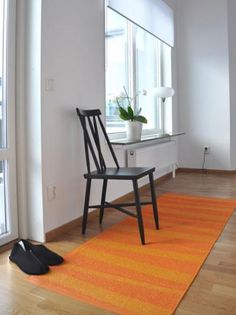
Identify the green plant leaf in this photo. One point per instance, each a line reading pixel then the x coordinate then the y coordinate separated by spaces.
pixel 124 115
pixel 130 112
pixel 141 119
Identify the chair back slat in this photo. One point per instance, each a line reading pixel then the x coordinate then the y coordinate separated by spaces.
pixel 108 142
pixel 103 164
pixel 88 144
pixel 95 134
pixel 91 123
pixel 86 152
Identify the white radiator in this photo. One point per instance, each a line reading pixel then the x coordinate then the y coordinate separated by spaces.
pixel 162 156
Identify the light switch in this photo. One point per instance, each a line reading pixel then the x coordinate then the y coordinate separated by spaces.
pixel 49 85
pixel 51 192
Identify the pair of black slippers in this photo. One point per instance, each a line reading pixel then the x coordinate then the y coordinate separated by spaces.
pixel 33 259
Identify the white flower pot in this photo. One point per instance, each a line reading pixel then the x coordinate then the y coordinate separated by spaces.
pixel 134 130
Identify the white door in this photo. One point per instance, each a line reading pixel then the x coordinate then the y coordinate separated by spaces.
pixel 8 204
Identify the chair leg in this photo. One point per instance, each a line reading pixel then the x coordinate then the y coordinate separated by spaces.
pixel 139 213
pixel 154 201
pixel 104 190
pixel 86 205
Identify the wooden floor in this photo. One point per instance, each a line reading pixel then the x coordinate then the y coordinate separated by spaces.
pixel 213 292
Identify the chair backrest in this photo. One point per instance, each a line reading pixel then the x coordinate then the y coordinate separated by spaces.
pixel 92 125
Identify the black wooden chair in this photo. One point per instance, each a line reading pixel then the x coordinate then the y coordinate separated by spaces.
pixel 91 124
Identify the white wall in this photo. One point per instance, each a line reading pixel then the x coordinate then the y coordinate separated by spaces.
pixel 232 76
pixel 32 119
pixel 20 121
pixel 50 144
pixel 203 82
pixel 73 55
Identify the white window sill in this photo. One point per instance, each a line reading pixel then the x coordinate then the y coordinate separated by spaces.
pixel 146 138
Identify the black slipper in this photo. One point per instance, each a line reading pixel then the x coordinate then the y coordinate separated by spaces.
pixel 27 261
pixel 45 255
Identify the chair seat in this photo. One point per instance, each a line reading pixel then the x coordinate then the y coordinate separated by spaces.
pixel 121 173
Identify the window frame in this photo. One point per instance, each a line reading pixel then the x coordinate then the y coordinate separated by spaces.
pixel 132 75
pixel 8 152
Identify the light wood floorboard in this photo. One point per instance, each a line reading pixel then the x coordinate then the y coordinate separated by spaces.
pixel 213 291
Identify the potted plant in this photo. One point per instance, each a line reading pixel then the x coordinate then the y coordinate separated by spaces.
pixel 133 118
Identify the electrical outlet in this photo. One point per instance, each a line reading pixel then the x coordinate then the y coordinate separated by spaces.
pixel 206 149
pixel 51 192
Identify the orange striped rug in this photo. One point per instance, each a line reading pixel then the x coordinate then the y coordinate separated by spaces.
pixel 113 271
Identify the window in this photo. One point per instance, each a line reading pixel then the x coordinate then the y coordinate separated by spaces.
pixel 8 210
pixel 137 60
